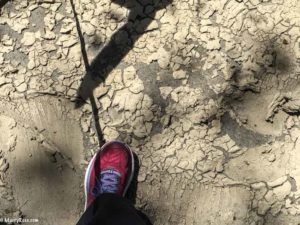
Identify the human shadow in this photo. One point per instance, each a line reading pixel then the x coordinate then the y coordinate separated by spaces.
pixel 141 14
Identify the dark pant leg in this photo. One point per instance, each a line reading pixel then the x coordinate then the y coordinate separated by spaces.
pixel 110 209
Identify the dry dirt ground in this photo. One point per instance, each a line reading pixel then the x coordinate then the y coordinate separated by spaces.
pixel 205 91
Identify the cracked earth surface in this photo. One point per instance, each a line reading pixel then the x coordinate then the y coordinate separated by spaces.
pixel 205 92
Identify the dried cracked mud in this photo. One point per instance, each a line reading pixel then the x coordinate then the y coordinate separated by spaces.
pixel 207 93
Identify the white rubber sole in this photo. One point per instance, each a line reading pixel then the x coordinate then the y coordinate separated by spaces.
pixel 90 166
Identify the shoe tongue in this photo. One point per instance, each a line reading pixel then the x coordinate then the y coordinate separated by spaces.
pixel 111 171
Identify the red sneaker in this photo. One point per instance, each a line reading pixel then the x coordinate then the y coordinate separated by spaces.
pixel 110 171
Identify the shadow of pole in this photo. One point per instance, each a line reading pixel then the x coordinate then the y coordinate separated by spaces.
pixel 81 39
pixel 91 97
pixel 96 121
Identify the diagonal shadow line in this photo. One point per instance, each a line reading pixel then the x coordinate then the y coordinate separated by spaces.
pixel 81 38
pixel 120 44
pixel 3 2
pixel 91 97
pixel 100 137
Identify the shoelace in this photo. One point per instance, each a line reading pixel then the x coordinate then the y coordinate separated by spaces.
pixel 108 183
